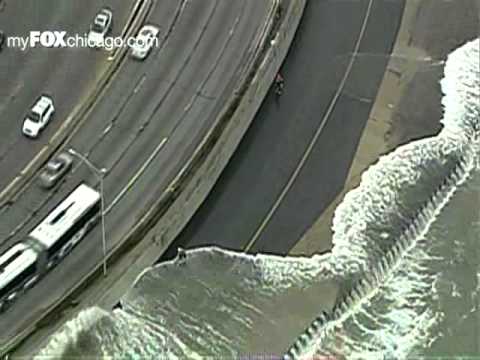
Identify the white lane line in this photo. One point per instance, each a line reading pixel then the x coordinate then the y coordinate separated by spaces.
pixel 135 177
pixel 122 107
pixel 140 83
pixel 23 172
pixel 310 147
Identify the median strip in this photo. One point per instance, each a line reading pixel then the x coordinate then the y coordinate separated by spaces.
pixel 261 66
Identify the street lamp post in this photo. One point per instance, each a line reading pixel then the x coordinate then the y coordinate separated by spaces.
pixel 100 173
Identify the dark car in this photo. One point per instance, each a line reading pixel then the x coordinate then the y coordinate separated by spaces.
pixel 55 169
pixel 2 39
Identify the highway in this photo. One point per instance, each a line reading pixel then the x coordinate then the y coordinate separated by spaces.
pixel 142 130
pixel 295 157
pixel 24 75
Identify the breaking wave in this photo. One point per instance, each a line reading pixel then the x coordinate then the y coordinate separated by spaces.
pixel 402 278
pixel 384 251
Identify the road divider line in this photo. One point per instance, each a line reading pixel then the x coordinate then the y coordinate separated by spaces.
pixel 208 159
pixel 314 140
pixel 136 176
pixel 125 31
pixel 140 10
pixel 140 83
pixel 23 173
pixel 31 163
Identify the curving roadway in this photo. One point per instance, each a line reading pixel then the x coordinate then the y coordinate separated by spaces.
pixel 142 130
pixel 296 156
pixel 67 74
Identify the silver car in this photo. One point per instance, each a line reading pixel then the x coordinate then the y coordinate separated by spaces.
pixel 55 169
pixel 146 39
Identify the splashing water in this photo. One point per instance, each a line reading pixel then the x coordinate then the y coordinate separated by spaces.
pixel 402 279
pixel 392 236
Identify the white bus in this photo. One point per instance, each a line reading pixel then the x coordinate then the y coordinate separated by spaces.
pixel 48 242
pixel 65 226
pixel 18 270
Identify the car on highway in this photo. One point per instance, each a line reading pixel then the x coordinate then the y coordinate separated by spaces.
pixel 39 116
pixel 55 169
pixel 102 24
pixel 2 39
pixel 144 42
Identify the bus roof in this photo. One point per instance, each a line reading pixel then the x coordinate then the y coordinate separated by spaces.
pixel 64 216
pixel 14 261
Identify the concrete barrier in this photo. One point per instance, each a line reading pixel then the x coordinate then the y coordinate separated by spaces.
pixel 160 224
pixel 168 216
pixel 9 194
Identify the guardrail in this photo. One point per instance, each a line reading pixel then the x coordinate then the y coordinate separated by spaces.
pixel 175 206
pixel 8 195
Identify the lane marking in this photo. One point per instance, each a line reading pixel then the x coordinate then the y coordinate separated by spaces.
pixel 130 23
pixel 132 20
pixel 140 83
pixel 135 177
pixel 120 110
pixel 310 147
pixel 22 173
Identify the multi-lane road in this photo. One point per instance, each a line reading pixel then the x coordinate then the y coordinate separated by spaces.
pixel 295 158
pixel 142 130
pixel 68 76
pixel 292 162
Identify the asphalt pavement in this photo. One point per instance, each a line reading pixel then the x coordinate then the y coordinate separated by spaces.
pixel 144 128
pixel 67 74
pixel 296 156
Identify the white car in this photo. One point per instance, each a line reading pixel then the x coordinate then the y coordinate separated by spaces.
pixel 144 42
pixel 38 117
pixel 102 24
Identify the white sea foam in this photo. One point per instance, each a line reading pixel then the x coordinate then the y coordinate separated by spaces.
pixel 383 196
pixel 462 91
pixel 394 247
